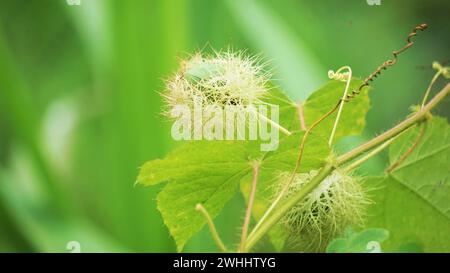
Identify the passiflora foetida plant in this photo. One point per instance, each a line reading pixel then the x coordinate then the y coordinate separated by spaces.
pixel 300 192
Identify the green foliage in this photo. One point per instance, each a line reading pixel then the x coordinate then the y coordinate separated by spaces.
pixel 103 68
pixel 195 157
pixel 431 153
pixel 287 107
pixel 409 218
pixel 366 241
pixel 315 152
pixel 199 172
pixel 208 172
pixel 412 202
pixel 352 120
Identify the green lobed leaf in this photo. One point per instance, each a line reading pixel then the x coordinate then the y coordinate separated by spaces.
pixel 203 172
pixel 413 202
pixel 352 120
pixel 366 241
pixel 288 108
pixel 426 171
pixel 194 157
pixel 288 118
pixel 410 219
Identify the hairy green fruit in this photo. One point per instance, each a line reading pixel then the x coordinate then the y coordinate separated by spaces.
pixel 338 202
pixel 225 78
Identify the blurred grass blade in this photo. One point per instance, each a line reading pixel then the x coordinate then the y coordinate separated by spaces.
pixel 295 66
pixel 22 121
pixel 43 226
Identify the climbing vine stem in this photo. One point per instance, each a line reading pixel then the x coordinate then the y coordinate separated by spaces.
pixel 405 124
pixel 355 164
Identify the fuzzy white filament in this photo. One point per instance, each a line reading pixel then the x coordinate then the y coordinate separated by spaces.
pixel 222 79
pixel 339 201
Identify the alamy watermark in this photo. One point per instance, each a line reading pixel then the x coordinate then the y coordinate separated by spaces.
pixel 73 2
pixel 230 122
pixel 73 247
pixel 373 2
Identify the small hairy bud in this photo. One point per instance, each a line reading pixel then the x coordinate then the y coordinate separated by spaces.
pixel 338 202
pixel 224 78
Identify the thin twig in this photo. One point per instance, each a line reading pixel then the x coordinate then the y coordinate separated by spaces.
pixel 212 227
pixel 302 143
pixel 301 116
pixel 272 123
pixel 441 70
pixel 369 155
pixel 427 93
pixel 248 212
pixel 409 151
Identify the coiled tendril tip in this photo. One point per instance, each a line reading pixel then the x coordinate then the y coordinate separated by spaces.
pixel 388 63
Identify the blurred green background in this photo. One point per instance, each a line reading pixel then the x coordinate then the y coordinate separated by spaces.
pixel 79 103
